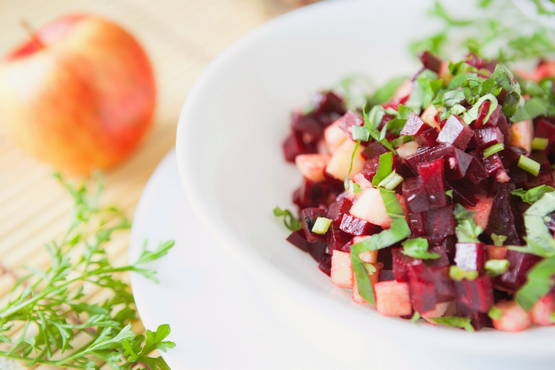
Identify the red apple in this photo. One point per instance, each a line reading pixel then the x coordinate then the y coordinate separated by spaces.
pixel 79 94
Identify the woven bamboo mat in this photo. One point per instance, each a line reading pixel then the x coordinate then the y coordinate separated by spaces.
pixel 181 37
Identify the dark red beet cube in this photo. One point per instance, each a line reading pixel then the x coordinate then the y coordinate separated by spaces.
pixel 356 226
pixel 427 137
pixel 350 119
pixel 374 149
pixel 430 61
pixel 455 132
pixel 443 259
pixel 415 195
pixel 487 136
pixel 471 256
pixel 457 160
pixel 400 264
pixel 433 179
pixel 308 218
pixel 326 102
pixel 370 168
pixel 386 275
pixel 308 125
pixel 478 319
pixel 493 163
pixel 416 224
pixel 317 250
pixel 298 239
pixel 414 125
pixel 482 113
pixel 338 208
pixel 476 172
pixel 429 285
pixel 519 265
pixel 476 294
pixel 294 145
pixel 463 192
pixel 337 238
pixel 505 220
pixel 325 264
pixel 545 128
pixel 439 223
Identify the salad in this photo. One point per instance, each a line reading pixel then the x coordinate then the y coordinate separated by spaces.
pixel 435 200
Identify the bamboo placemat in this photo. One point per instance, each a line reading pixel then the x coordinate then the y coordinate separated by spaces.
pixel 181 37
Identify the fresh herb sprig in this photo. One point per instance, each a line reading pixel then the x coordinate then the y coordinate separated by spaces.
pixel 59 326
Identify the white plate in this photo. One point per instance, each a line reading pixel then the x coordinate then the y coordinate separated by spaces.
pixel 219 319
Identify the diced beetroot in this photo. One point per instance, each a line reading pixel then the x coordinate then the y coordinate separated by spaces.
pixel 476 294
pixel 298 239
pixel 341 269
pixel 325 264
pixel 374 149
pixel 348 120
pixel 386 275
pixel 439 310
pixel 356 226
pixel 543 310
pixel 429 285
pixel 385 258
pixel 430 61
pixel 439 223
pixel 327 103
pixel 443 259
pixel 318 251
pixel 482 211
pixel 479 63
pixel 492 164
pixel 432 177
pixel 392 298
pixel 513 317
pixel 463 192
pixel 338 208
pixel 427 137
pixel 415 195
pixel 414 125
pixel 546 129
pixel 482 113
pixel 487 136
pixel 308 218
pixel 476 172
pixel 519 265
pixel 416 224
pixel 311 194
pixel 471 256
pixel 400 264
pixel 294 145
pixel 505 221
pixel 478 319
pixel 336 238
pixel 457 160
pixel 456 133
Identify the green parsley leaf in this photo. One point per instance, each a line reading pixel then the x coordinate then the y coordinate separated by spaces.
pixel 385 166
pixel 454 321
pixel 531 108
pixel 386 92
pixel 495 313
pixel 360 133
pixel 466 230
pixel 538 284
pixel 472 114
pixel 452 97
pixel 418 248
pixel 290 221
pixel 534 194
pixel 539 238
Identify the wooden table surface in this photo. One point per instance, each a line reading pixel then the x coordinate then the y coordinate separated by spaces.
pixel 181 37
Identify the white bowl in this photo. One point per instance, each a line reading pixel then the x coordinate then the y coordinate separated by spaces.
pixel 232 169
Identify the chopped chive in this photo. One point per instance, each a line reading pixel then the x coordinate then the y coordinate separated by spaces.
pixel 497 267
pixel 539 143
pixel 456 273
pixel 391 181
pixel 495 313
pixel 321 225
pixel 356 188
pixel 529 165
pixel 498 240
pixel 454 321
pixel 385 166
pixel 360 133
pixel 289 220
pixel 449 193
pixel 493 149
pixel 415 317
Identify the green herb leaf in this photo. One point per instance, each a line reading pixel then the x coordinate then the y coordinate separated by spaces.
pixel 472 114
pixel 385 166
pixel 495 313
pixel 360 133
pixel 290 221
pixel 531 108
pixel 534 194
pixel 496 267
pixel 467 231
pixel 418 248
pixel 386 92
pixel 454 321
pixel 539 283
pixel 391 181
pixel 415 317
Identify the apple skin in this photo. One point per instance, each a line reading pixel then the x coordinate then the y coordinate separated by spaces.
pixel 80 94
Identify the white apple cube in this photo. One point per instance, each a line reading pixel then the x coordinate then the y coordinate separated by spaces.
pixel 522 134
pixel 407 149
pixel 341 269
pixel 513 317
pixel 482 210
pixel 429 116
pixel 366 256
pixel 312 166
pixel 334 136
pixel 340 162
pixel 392 298
pixel 543 310
pixel 369 206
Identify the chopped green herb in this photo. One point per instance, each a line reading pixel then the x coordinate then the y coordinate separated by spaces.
pixel 529 165
pixel 424 90
pixel 356 188
pixel 347 182
pixel 496 267
pixel 415 317
pixel 418 248
pixel 391 181
pixel 531 109
pixel 398 231
pixel 534 194
pixel 539 143
pixel 289 220
pixel 372 120
pixel 472 114
pixel 385 166
pixel 386 92
pixel 360 133
pixel 454 321
pixel 498 240
pixel 452 97
pixel 321 225
pixel 466 230
pixel 449 193
pixel 491 150
pixel 495 313
pixel 458 274
pixel 538 284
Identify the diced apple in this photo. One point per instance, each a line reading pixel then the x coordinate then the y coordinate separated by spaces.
pixel 362 181
pixel 338 166
pixel 369 206
pixel 513 317
pixel 392 298
pixel 482 210
pixel 312 166
pixel 522 134
pixel 403 90
pixel 407 149
pixel 496 252
pixel 366 256
pixel 357 298
pixel 439 310
pixel 341 269
pixel 429 116
pixel 334 136
pixel 543 310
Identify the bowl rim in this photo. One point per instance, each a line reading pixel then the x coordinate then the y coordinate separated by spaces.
pixel 482 342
